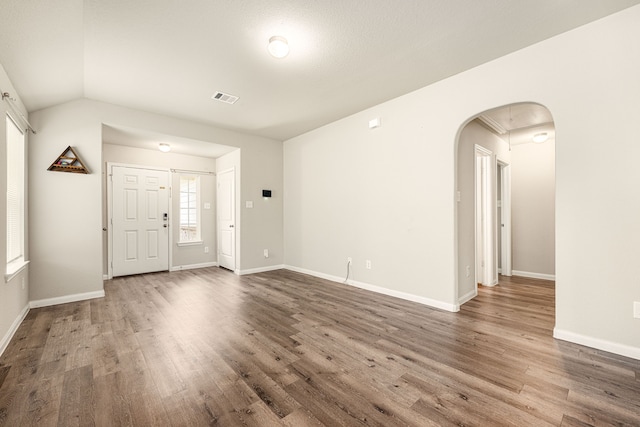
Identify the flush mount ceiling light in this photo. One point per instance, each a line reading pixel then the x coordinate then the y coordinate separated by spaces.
pixel 278 47
pixel 540 137
pixel 165 148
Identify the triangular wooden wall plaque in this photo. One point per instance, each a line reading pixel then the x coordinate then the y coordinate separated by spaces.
pixel 68 161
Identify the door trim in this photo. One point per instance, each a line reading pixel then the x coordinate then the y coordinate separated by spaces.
pixel 506 244
pixel 485 220
pixel 236 212
pixel 109 225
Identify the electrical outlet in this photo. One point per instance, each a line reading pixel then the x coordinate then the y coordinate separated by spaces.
pixel 266 253
pixel 468 270
pixel 367 264
pixel 636 309
pixel 349 260
pixel 206 249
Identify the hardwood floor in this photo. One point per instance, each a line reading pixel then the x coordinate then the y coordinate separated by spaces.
pixel 206 347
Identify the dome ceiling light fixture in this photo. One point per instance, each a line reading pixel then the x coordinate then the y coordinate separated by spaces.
pixel 278 47
pixel 541 137
pixel 165 148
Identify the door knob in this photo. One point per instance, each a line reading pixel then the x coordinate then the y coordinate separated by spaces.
pixel 165 225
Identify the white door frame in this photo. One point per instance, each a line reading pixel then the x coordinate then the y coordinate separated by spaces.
pixel 486 268
pixel 236 231
pixel 110 166
pixel 505 220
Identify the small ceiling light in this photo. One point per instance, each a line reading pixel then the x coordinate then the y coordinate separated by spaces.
pixel 165 148
pixel 540 137
pixel 278 47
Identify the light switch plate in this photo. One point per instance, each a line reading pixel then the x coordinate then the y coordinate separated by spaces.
pixel 249 204
pixel 207 205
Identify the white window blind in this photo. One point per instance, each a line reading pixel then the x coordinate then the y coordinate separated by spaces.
pixel 189 209
pixel 15 193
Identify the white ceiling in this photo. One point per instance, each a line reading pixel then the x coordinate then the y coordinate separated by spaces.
pixel 518 123
pixel 120 135
pixel 170 57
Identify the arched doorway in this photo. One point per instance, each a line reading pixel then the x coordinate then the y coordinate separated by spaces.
pixel 505 197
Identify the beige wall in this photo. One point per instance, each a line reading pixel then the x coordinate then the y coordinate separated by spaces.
pixel 533 208
pixel 14 297
pixel 388 194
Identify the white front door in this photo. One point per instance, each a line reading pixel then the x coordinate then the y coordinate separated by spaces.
pixel 226 220
pixel 140 220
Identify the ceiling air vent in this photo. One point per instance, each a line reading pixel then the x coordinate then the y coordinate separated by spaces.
pixel 225 97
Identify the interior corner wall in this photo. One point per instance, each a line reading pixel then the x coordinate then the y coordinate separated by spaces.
pixel 533 209
pixel 14 296
pixel 388 194
pixel 262 225
pixel 66 209
pixel 471 135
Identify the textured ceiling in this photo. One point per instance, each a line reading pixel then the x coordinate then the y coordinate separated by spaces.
pixel 518 123
pixel 170 57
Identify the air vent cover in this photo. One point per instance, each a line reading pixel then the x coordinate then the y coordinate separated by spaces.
pixel 225 97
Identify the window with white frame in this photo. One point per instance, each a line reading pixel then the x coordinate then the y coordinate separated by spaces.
pixel 15 197
pixel 189 209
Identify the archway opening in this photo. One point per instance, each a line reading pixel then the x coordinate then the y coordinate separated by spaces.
pixel 505 167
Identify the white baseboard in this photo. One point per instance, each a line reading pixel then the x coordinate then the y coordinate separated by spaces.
pixel 467 297
pixel 12 330
pixel 193 266
pixel 315 274
pixel 378 289
pixel 105 277
pixel 260 269
pixel 533 275
pixel 611 347
pixel 66 299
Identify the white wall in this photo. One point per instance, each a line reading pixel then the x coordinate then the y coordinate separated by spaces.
pixel 472 134
pixel 533 209
pixel 181 256
pixel 388 194
pixel 262 225
pixel 66 209
pixel 14 297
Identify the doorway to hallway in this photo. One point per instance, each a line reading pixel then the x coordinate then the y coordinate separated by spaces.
pixel 505 197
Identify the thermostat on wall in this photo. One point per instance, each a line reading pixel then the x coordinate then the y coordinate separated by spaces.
pixel 266 193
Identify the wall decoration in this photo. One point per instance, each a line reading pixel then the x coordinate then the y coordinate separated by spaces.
pixel 68 161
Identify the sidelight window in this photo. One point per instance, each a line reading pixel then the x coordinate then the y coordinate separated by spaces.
pixel 189 209
pixel 15 198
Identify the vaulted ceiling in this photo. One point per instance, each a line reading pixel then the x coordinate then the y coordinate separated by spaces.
pixel 170 57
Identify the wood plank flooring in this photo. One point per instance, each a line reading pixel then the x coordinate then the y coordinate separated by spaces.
pixel 206 347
